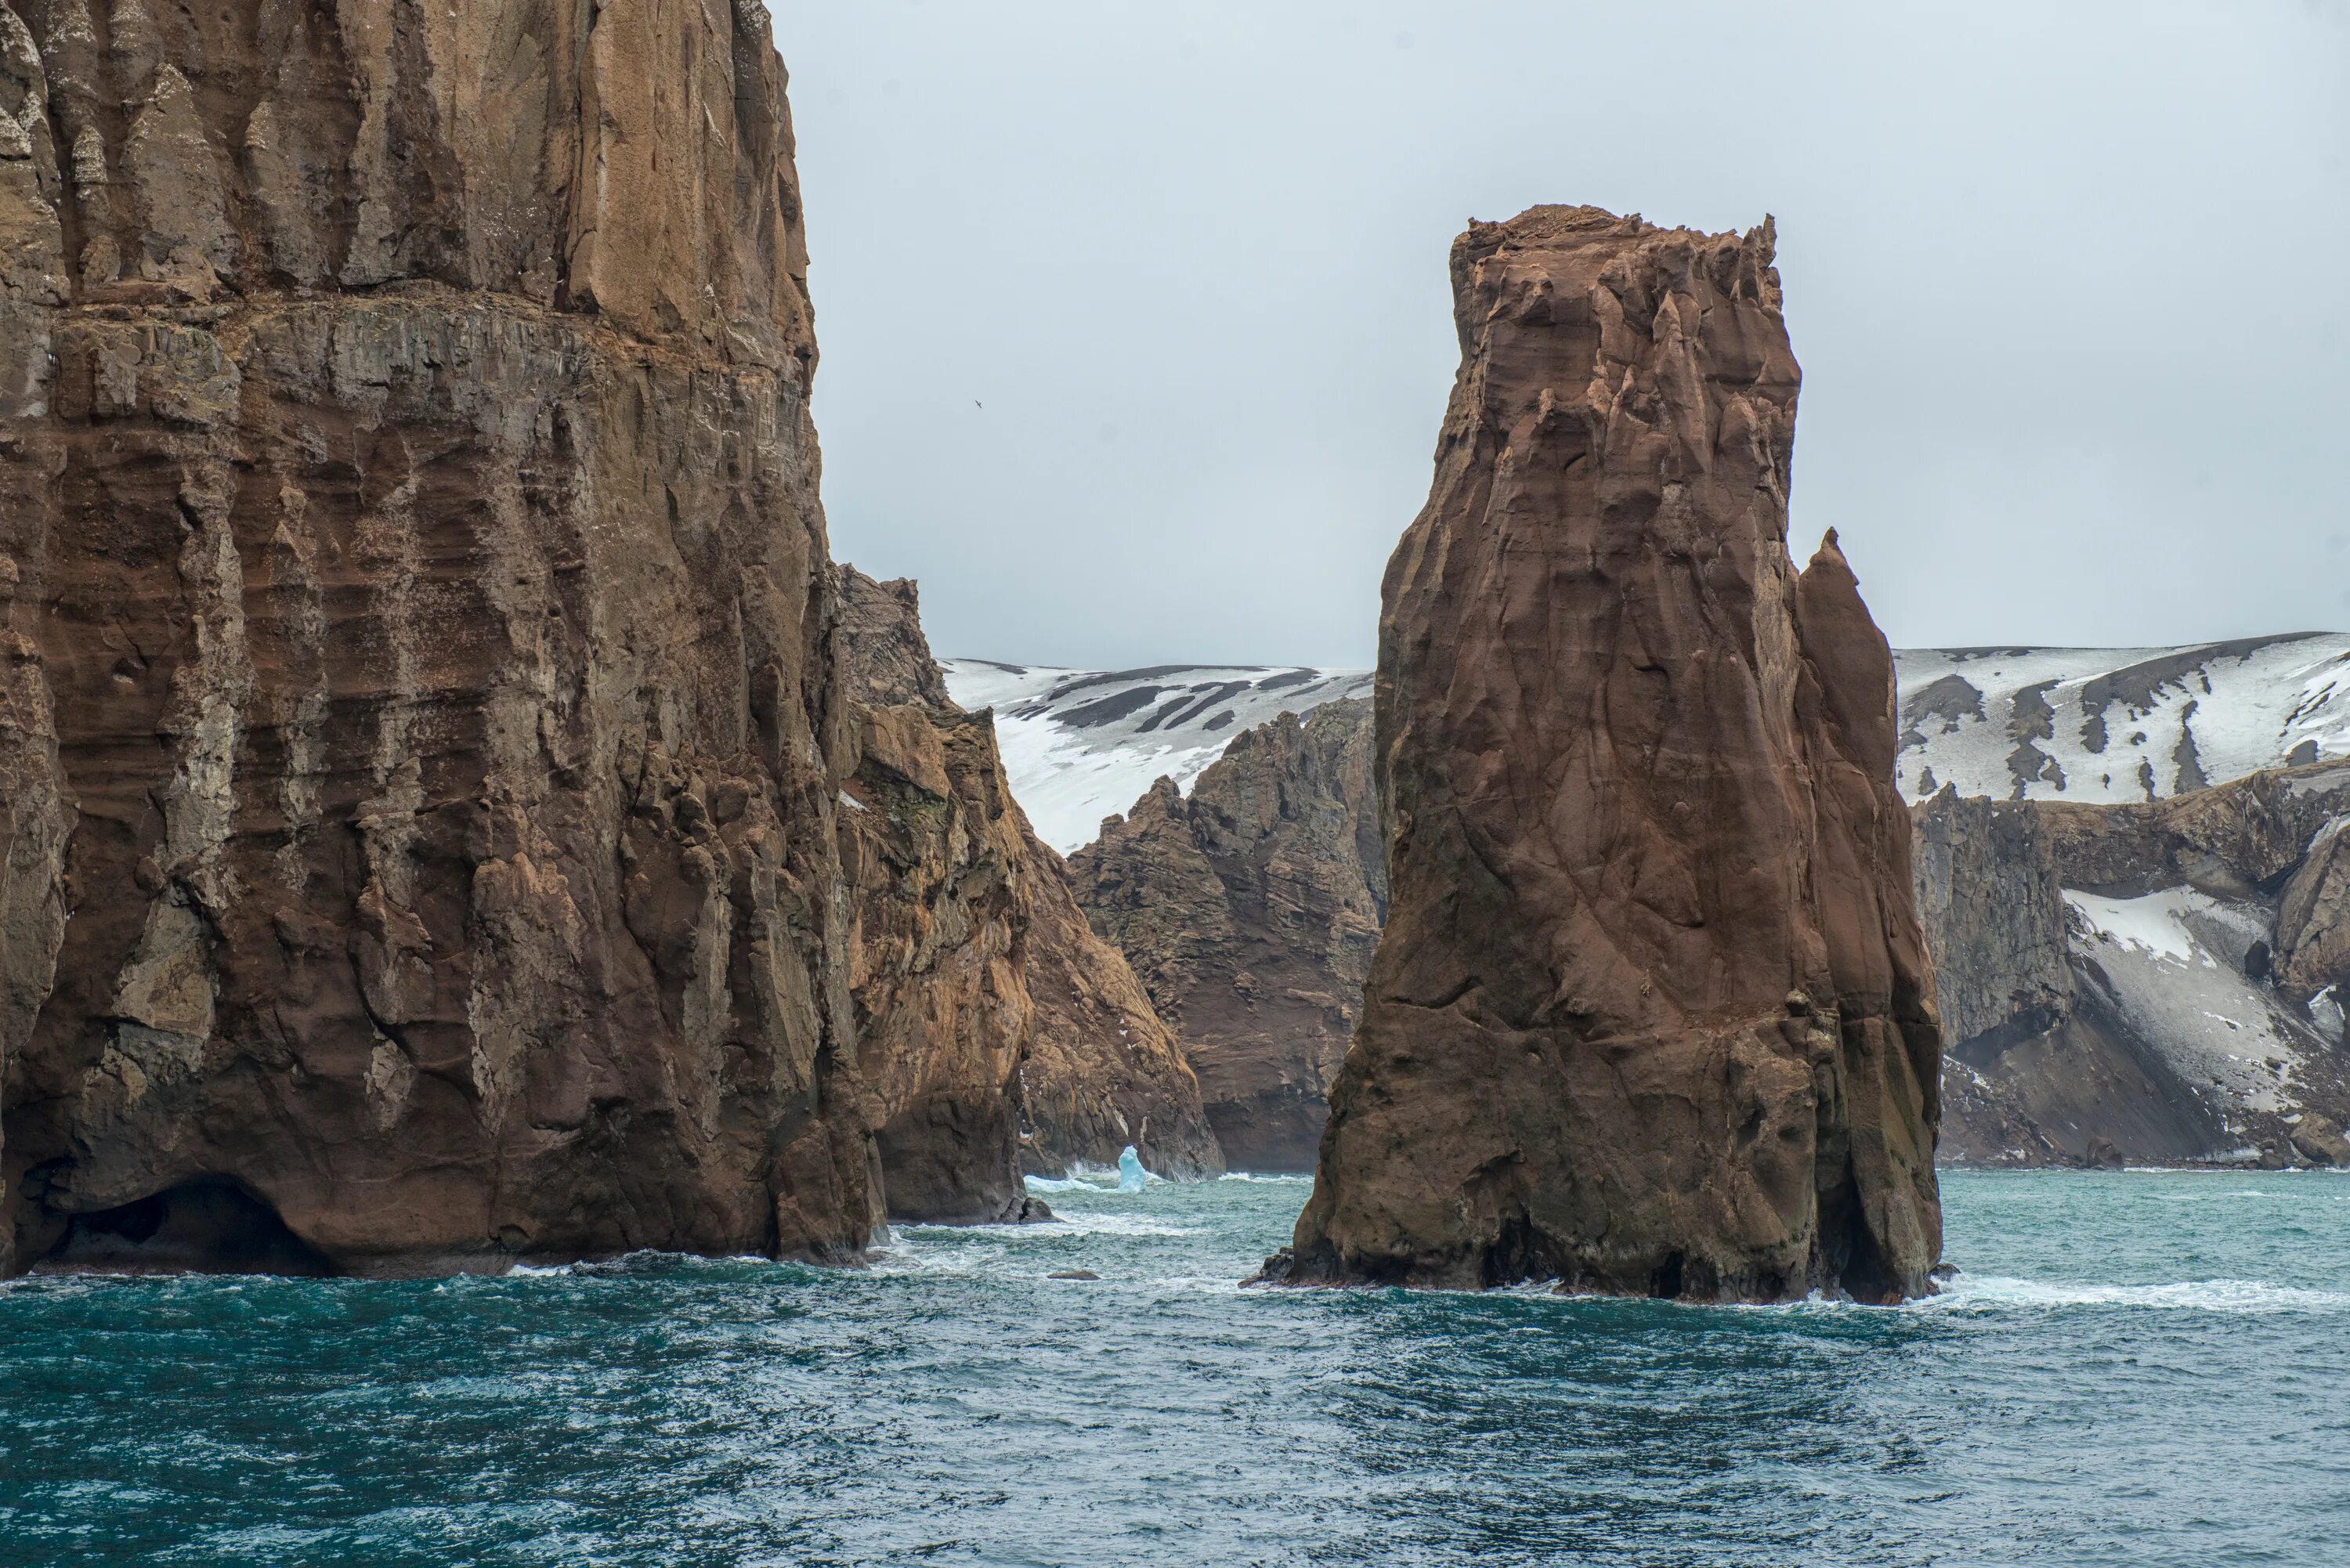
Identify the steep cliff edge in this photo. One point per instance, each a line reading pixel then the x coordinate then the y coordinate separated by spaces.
pixel 1001 1033
pixel 1652 1013
pixel 2151 982
pixel 416 678
pixel 1251 910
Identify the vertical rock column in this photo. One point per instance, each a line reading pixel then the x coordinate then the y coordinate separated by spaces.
pixel 1651 1012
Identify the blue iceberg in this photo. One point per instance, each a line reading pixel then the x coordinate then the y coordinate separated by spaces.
pixel 1129 1171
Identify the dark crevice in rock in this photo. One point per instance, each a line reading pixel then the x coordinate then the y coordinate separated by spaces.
pixel 212 1226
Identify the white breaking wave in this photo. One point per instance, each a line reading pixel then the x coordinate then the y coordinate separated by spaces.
pixel 1990 1294
pixel 1080 746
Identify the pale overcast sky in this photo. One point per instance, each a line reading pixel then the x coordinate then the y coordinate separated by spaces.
pixel 1137 333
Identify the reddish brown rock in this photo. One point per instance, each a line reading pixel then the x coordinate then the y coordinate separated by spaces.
pixel 415 681
pixel 1104 1070
pixel 931 845
pixel 1652 1013
pixel 1251 909
pixel 1000 1031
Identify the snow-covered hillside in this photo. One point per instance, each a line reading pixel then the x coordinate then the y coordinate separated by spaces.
pixel 2045 723
pixel 2119 723
pixel 1082 744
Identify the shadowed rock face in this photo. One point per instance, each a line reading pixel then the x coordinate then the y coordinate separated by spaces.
pixel 415 679
pixel 2156 979
pixel 998 1030
pixel 1652 1013
pixel 1251 909
pixel 1104 1070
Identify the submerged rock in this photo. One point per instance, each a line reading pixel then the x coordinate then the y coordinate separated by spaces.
pixel 1652 1013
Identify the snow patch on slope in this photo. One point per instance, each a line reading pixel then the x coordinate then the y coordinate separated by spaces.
pixel 1079 746
pixel 2104 725
pixel 2173 963
pixel 2098 724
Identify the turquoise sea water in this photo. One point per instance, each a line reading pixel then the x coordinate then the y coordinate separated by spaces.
pixel 2134 1368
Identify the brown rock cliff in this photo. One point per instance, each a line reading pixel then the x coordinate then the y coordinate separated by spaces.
pixel 414 684
pixel 1251 909
pixel 1104 1069
pixel 1652 1013
pixel 1001 1032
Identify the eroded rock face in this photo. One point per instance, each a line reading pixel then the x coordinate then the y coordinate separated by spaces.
pixel 415 681
pixel 1251 909
pixel 1652 1013
pixel 1000 1031
pixel 1104 1069
pixel 2156 982
pixel 932 844
pixel 1993 916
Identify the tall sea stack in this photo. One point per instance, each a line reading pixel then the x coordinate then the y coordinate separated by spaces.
pixel 418 738
pixel 1652 1013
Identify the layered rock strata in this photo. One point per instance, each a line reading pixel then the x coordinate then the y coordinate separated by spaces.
pixel 1652 1013
pixel 931 843
pixel 1104 1069
pixel 418 738
pixel 2158 981
pixel 1001 1033
pixel 1251 909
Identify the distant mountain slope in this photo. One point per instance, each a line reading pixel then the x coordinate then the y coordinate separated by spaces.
pixel 2105 725
pixel 2094 724
pixel 1079 746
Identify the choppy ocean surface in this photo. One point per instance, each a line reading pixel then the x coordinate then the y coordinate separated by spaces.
pixel 2134 1369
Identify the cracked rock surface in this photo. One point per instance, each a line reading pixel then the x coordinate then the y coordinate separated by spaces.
pixel 419 732
pixel 1251 908
pixel 1652 1013
pixel 1002 1034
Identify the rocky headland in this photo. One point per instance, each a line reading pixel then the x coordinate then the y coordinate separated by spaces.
pixel 423 738
pixel 1002 1034
pixel 1652 1013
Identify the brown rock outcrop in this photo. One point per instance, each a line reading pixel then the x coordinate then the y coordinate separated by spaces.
pixel 1000 1031
pixel 1251 909
pixel 416 682
pixel 1104 1069
pixel 2204 1026
pixel 1652 1013
pixel 930 843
